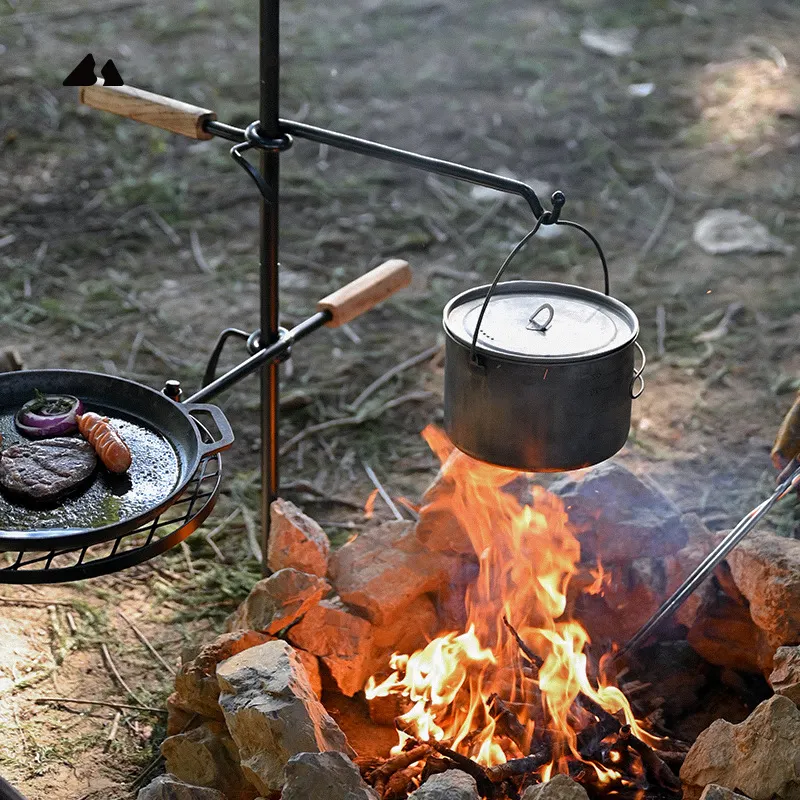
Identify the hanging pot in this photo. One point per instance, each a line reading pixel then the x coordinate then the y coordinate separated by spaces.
pixel 540 376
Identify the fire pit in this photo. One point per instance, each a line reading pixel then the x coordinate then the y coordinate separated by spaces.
pixel 468 653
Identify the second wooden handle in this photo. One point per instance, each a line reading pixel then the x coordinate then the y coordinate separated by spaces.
pixel 365 292
pixel 153 109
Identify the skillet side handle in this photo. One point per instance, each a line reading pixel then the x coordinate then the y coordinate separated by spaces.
pixel 365 292
pixel 221 421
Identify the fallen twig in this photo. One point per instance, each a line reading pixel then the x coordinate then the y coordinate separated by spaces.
pixel 29 601
pixel 197 252
pixel 252 537
pixel 209 537
pixel 115 672
pixel 145 641
pixel 112 734
pixel 382 492
pixel 107 703
pixel 389 374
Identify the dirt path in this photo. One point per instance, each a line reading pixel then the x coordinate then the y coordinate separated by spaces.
pixel 97 218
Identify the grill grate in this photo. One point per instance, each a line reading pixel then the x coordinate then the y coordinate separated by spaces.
pixel 157 536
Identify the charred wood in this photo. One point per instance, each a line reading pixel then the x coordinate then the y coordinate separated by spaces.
pixel 507 722
pixel 517 766
pixel 654 766
pixel 434 765
pixel 485 784
pixel 380 776
pixel 589 738
pixel 401 783
pixel 535 660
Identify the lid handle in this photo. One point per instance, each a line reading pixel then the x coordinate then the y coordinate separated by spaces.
pixel 549 218
pixel 533 325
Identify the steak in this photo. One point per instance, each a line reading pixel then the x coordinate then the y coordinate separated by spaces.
pixel 46 470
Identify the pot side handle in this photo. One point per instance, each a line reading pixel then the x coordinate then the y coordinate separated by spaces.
pixel 220 420
pixel 638 374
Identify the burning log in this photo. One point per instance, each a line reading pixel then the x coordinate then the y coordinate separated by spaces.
pixel 589 739
pixel 379 776
pixel 398 786
pixel 518 766
pixel 535 660
pixel 465 764
pixel 507 722
pixel 434 765
pixel 653 764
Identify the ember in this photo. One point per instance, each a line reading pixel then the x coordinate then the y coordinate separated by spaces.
pixel 513 699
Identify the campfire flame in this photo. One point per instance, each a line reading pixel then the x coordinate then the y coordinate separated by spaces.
pixel 460 685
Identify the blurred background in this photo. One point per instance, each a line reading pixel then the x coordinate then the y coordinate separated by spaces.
pixel 672 127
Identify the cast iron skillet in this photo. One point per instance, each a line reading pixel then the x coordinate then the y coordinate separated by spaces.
pixel 164 440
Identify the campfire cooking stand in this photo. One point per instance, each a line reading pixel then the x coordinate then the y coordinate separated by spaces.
pixel 268 345
pixel 272 135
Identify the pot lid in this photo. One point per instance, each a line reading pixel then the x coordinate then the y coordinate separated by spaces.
pixel 542 321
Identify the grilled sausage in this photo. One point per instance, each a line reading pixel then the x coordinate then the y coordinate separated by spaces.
pixel 108 444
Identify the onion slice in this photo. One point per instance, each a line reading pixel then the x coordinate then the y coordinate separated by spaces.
pixel 48 415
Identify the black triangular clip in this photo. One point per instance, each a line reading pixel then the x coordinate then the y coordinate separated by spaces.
pixel 83 74
pixel 111 76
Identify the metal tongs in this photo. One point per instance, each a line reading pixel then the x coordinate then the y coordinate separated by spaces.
pixel 789 479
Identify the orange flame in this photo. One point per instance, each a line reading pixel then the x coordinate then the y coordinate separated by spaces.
pixel 527 555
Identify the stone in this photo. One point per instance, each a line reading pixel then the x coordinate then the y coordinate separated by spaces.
pixel 296 541
pixel 785 677
pixel 207 756
pixel 279 600
pixel 341 639
pixel 180 719
pixel 724 634
pixel 450 785
pixel 168 787
pixel 559 787
pixel 714 792
pixel 196 687
pixel 727 230
pixel 272 712
pixel 766 569
pixel 311 665
pixel 620 517
pixel 757 757
pixel 324 776
pixel 409 632
pixel 385 569
pixel 438 528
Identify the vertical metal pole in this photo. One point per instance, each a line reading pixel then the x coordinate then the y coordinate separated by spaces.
pixel 269 73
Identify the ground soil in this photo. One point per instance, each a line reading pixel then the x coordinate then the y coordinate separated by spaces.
pixel 125 249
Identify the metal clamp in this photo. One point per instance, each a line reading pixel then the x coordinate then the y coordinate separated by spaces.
pixel 639 374
pixel 533 325
pixel 256 139
pixel 254 343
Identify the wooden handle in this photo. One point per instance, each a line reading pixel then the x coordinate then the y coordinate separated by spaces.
pixel 365 292
pixel 153 109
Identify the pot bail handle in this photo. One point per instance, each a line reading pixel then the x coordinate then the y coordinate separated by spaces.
pixel 548 218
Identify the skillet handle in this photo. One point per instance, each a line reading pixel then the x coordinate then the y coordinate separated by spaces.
pixel 220 420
